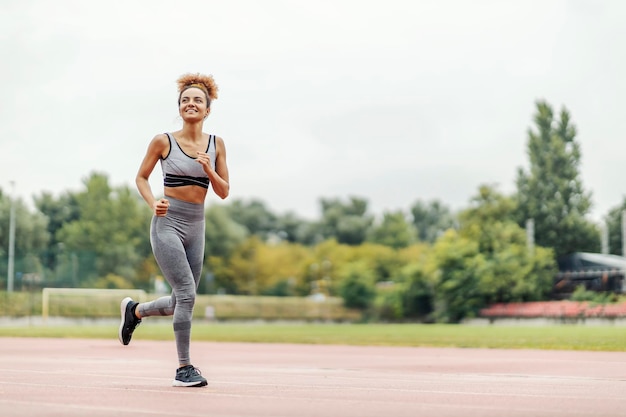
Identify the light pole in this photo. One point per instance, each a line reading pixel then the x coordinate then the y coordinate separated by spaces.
pixel 624 233
pixel 10 273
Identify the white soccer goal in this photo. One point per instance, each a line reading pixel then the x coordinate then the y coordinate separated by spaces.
pixel 92 296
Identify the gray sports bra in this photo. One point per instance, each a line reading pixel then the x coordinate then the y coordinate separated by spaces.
pixel 181 169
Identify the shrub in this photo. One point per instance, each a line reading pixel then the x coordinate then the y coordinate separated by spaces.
pixel 357 287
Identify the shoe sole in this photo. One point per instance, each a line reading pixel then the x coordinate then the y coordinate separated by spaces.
pixel 123 305
pixel 177 383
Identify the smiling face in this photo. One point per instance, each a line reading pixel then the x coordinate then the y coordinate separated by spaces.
pixel 193 105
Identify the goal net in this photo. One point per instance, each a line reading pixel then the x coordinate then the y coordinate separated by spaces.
pixel 85 302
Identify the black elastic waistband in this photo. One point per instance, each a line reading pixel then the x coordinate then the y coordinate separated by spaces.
pixel 172 180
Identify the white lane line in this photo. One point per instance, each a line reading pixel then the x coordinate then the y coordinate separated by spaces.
pixel 336 388
pixel 424 407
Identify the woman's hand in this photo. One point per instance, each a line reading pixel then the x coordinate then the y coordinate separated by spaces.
pixel 205 160
pixel 160 207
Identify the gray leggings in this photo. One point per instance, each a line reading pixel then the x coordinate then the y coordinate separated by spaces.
pixel 178 246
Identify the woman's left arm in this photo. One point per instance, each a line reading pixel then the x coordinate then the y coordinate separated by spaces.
pixel 219 176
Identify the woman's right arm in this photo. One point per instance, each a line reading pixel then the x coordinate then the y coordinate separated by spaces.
pixel 156 150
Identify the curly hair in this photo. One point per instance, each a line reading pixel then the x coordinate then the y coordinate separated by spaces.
pixel 206 83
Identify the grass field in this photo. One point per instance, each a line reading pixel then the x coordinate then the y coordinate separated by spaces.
pixel 562 337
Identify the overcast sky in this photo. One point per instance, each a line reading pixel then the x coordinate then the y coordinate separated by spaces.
pixel 391 101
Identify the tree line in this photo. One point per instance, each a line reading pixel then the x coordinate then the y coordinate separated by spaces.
pixel 425 263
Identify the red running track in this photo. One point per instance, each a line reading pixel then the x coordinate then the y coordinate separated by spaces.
pixel 75 377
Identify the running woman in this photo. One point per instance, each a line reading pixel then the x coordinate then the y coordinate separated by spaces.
pixel 191 161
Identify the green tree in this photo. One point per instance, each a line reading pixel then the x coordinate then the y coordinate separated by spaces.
pixel 258 268
pixel 551 192
pixel 348 222
pixel 488 214
pixel 111 235
pixel 394 231
pixel 254 216
pixel 487 260
pixel 222 233
pixel 294 229
pixel 243 267
pixel 509 269
pixel 58 211
pixel 418 296
pixel 384 261
pixel 357 285
pixel 456 286
pixel 431 220
pixel 31 238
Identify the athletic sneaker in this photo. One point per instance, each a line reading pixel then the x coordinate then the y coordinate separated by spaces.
pixel 129 320
pixel 188 376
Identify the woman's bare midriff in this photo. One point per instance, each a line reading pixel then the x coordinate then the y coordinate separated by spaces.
pixel 189 193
